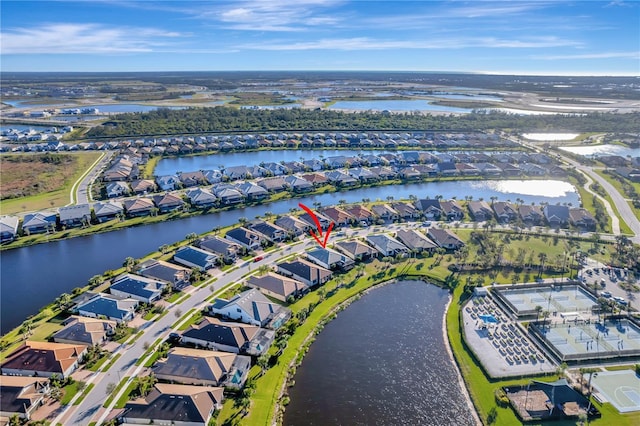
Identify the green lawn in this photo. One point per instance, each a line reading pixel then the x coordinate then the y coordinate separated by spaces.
pixel 69 392
pixel 56 198
pixel 44 331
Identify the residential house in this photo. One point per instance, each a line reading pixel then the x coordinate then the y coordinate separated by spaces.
pixel 143 186
pixel 340 178
pixel 38 222
pixel 168 202
pixel 298 184
pixel 43 359
pixel 480 210
pixel 415 241
pixel 8 228
pixel 488 169
pixel 213 176
pixel 204 368
pixel 445 238
pixel 85 331
pixel 277 286
pixel 363 174
pixel 248 239
pixel 139 207
pixel 201 198
pixel 109 210
pixel 142 289
pixel 77 215
pixel 406 211
pixel 225 336
pixel 305 271
pixel 252 307
pixel 582 218
pixel 530 214
pixel 224 248
pixel 276 184
pixel 557 216
pixel 117 189
pixel 175 275
pixel 168 183
pixel 430 208
pixel 384 172
pixel 338 215
pixel 228 195
pixel 292 225
pixel 452 210
pixel 107 306
pixel 252 191
pixel 193 257
pixel 22 396
pixel 386 245
pixel 271 232
pixel 179 405
pixel 505 212
pixel 322 219
pixel 360 213
pixel 189 179
pixel 330 259
pixel 356 250
pixel 316 179
pixel 385 212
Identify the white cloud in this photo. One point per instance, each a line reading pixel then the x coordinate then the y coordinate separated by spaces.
pixel 65 38
pixel 603 55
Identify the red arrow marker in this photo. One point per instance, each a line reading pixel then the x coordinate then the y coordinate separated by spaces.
pixel 317 237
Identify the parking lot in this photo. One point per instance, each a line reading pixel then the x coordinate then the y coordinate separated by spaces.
pixel 606 280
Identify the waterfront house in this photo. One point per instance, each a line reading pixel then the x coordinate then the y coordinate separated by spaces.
pixel 179 405
pixel 556 215
pixel 193 257
pixel 363 174
pixel 211 333
pixel 356 250
pixel 188 366
pixel 213 176
pixel 386 245
pixel 106 211
pixel 330 259
pixel 252 307
pixel 138 207
pixel 338 216
pixel 117 189
pixel 530 214
pixel 39 222
pixel 324 220
pixel 201 198
pixel 340 178
pixel 292 225
pixel 488 169
pixel 415 241
pixel 22 396
pixel 77 215
pixel 85 331
pixel 175 275
pixel 277 286
pixel 8 228
pixel 316 179
pixel 582 218
pixel 269 231
pixel 384 172
pixel 142 289
pixel 252 191
pixel 224 248
pixel 406 211
pixel 189 179
pixel 168 202
pixel 445 238
pixel 360 213
pixel 430 208
pixel 275 184
pixel 107 306
pixel 168 183
pixel 246 238
pixel 228 195
pixel 43 359
pixel 298 184
pixel 385 212
pixel 305 271
pixel 505 212
pixel 143 186
pixel 480 210
pixel 452 210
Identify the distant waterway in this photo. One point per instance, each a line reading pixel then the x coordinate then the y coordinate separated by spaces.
pixel 122 108
pixel 31 277
pixel 600 150
pixel 395 105
pixel 381 361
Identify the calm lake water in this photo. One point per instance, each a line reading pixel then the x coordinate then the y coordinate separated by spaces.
pixel 598 150
pixel 395 105
pixel 31 277
pixel 119 108
pixel 368 368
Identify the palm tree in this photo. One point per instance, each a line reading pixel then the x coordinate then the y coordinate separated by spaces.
pixel 542 257
pixel 191 237
pixel 63 301
pixel 130 263
pixel 164 248
pixel 96 280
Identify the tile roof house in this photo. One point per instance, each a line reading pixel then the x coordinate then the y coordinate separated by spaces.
pixel 175 275
pixel 430 208
pixel 292 224
pixel 414 240
pixel 252 307
pixel 143 186
pixel 193 257
pixel 385 212
pixel 269 231
pixel 556 216
pixel 189 179
pixel 330 259
pixel 179 405
pixel 505 212
pixel 117 189
pixel 200 197
pixel 43 359
pixel 108 210
pixel 338 215
pixel 277 286
pixel 298 184
pixel 138 206
pixel 33 223
pixel 386 245
pixel 246 238
pixel 480 210
pixel 168 202
pixel 445 238
pixel 142 289
pixel 77 215
pixel 276 184
pixel 108 306
pixel 360 213
pixel 22 396
pixel 530 214
pixel 305 271
pixel 8 228
pixel 168 183
pixel 224 248
pixel 338 177
pixel 452 210
pixel 226 336
pixel 204 368
pixel 228 195
pixel 252 191
pixel 356 250
pixel 84 331
pixel 324 220
pixel 582 218
pixel 316 179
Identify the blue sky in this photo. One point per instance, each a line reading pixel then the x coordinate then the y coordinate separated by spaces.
pixel 523 37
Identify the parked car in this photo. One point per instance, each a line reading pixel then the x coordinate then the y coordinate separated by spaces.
pixel 620 300
pixel 605 294
pixel 258 259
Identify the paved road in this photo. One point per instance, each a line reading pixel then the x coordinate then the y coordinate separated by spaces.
pixel 81 195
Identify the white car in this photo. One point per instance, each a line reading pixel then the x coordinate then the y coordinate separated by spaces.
pixel 620 300
pixel 605 294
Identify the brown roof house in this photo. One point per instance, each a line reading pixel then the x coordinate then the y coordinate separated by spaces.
pixel 277 286
pixel 85 331
pixel 43 359
pixel 22 396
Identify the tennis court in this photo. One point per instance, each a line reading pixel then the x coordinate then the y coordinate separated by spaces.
pixel 570 298
pixel 620 388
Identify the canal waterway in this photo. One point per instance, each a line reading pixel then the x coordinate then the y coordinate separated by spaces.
pixel 395 105
pixel 381 361
pixel 31 277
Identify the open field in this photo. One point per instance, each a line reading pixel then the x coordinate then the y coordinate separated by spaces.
pixel 42 180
